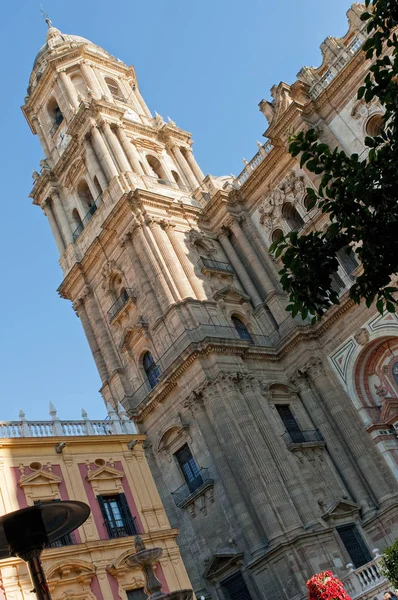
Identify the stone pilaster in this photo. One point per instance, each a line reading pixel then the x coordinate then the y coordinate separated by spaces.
pixel 118 153
pixel 186 264
pixel 48 211
pixel 42 139
pixel 243 510
pixel 154 308
pixel 103 154
pixel 80 309
pixel 91 79
pixel 239 268
pixel 130 150
pixel 281 480
pixel 150 264
pixel 185 168
pixel 197 171
pixel 171 260
pixel 337 448
pixel 379 479
pixel 62 219
pixel 93 165
pixel 68 88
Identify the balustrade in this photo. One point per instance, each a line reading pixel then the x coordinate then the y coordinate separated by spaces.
pixel 365 580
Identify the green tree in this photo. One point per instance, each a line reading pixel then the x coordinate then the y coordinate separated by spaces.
pixel 360 196
pixel 389 564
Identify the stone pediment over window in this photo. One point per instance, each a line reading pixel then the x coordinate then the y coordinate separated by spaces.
pixel 40 485
pixel 71 581
pixel 132 335
pixel 106 480
pixel 231 295
pixel 174 437
pixel 342 510
pixel 221 562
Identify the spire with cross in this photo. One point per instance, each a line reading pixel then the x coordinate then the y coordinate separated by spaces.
pixel 45 16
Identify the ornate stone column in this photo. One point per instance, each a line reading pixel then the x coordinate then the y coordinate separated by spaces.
pixel 94 314
pixel 69 88
pixel 93 166
pixel 259 469
pixel 302 511
pixel 185 168
pixel 103 154
pixel 194 165
pixel 62 219
pixel 164 295
pixel 335 444
pixel 118 152
pixel 374 471
pixel 91 79
pixel 42 139
pixel 251 257
pixel 239 268
pixel 130 150
pixel 171 260
pixel 251 529
pixel 141 101
pixel 186 264
pixel 48 211
pixel 143 281
pixel 80 309
pixel 252 233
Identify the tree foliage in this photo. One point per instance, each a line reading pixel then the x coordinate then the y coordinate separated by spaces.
pixel 359 196
pixel 389 564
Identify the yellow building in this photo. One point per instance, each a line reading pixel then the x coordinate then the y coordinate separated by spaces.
pixel 103 464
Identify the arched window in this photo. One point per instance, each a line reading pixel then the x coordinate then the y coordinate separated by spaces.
pixel 151 369
pixel 177 179
pixel 241 328
pixel 277 234
pixel 156 168
pixel 292 217
pixel 375 125
pixel 76 217
pixel 85 195
pixel 114 88
pixel 307 201
pixel 55 115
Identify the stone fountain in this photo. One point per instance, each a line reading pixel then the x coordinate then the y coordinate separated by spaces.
pixel 145 558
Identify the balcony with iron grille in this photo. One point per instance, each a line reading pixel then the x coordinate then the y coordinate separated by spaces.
pixel 215 266
pixel 295 440
pixel 187 493
pixel 120 304
pixel 66 540
pixel 121 527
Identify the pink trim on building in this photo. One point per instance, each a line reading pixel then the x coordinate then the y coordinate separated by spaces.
pixel 114 587
pixel 160 575
pixel 20 496
pixel 93 503
pixel 130 498
pixel 95 588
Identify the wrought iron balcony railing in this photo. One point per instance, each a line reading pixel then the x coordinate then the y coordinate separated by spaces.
pixel 173 184
pixel 121 527
pixel 93 208
pixel 201 481
pixel 120 303
pixel 56 125
pixel 301 437
pixel 66 540
pixel 216 265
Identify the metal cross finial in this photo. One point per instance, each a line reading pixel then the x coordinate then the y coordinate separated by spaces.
pixel 45 16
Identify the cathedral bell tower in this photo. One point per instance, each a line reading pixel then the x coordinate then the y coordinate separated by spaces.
pixel 122 193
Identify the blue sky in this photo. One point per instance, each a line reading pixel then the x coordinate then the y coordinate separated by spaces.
pixel 204 63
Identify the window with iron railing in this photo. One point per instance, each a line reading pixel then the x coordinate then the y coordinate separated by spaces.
pixel 216 265
pixel 117 306
pixel 117 516
pixel 290 423
pixel 87 218
pixel 189 468
pixel 235 588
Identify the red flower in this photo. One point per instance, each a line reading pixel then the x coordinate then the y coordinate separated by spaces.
pixel 324 586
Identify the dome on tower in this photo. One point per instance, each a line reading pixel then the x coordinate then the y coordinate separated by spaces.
pixel 56 43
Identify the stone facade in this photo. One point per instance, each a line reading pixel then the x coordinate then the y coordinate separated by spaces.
pixel 101 463
pixel 271 441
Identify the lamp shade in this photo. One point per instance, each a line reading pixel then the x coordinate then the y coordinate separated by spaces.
pixel 31 529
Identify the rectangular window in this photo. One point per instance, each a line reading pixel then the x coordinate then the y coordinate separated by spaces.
pixel 290 423
pixel 189 468
pixel 354 544
pixel 137 594
pixel 117 516
pixel 65 540
pixel 235 588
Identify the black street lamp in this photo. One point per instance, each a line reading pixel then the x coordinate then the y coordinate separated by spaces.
pixel 26 532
